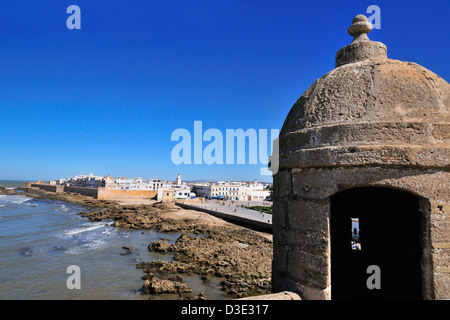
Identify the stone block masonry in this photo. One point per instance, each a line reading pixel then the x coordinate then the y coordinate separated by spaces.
pixel 101 193
pixel 368 141
pixel 111 194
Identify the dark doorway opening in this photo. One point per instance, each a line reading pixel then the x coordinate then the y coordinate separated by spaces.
pixel 380 227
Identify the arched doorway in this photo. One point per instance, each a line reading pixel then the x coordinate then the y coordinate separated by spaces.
pixel 374 226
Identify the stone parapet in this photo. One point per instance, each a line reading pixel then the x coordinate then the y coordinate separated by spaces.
pixel 374 155
pixel 285 295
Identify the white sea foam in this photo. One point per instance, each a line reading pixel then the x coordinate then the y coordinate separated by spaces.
pixel 82 230
pixel 94 244
pixel 13 199
pixel 91 236
pixel 62 208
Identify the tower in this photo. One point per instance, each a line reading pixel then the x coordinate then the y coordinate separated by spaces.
pixel 368 142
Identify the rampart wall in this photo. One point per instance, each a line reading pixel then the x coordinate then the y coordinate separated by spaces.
pixel 98 193
pixel 105 193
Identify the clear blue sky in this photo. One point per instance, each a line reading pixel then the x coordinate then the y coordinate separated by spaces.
pixel 105 99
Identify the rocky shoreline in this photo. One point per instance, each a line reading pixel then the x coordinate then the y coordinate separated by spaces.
pixel 208 246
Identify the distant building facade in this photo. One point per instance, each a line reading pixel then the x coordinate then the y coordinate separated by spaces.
pixel 233 190
pixel 222 190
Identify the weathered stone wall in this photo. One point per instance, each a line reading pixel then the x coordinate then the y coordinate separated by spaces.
pixel 46 187
pixel 111 194
pixel 389 91
pixel 285 295
pixel 252 224
pixel 370 122
pixel 370 113
pixel 301 260
pixel 99 193
pixel 90 192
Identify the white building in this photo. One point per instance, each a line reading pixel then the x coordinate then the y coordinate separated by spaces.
pixel 182 193
pixel 225 190
pixel 202 190
pixel 60 181
pixel 137 184
pixel 94 181
pixel 82 180
pixel 249 194
pixel 252 191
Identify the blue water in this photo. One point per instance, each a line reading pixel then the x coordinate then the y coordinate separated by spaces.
pixel 12 183
pixel 40 239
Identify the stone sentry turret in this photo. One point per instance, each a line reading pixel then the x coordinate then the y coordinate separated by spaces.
pixel 367 143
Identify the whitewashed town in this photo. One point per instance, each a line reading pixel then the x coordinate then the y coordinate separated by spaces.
pixel 221 190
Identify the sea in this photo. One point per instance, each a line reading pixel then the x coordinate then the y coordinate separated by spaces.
pixel 41 240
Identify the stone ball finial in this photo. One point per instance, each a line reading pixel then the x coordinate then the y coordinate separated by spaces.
pixel 361 47
pixel 360 28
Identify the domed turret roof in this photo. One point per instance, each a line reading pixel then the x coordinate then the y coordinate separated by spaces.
pixel 368 100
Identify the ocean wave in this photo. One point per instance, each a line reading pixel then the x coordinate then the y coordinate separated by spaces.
pixel 92 245
pixel 62 207
pixel 31 204
pixel 91 236
pixel 82 230
pixel 13 199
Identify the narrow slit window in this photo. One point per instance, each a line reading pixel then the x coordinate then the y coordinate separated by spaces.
pixel 356 242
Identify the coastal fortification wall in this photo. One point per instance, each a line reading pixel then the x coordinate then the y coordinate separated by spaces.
pixel 111 194
pixel 45 187
pixel 98 193
pixel 90 192
pixel 248 223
